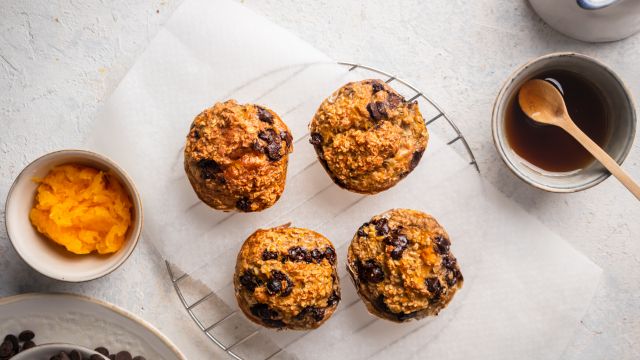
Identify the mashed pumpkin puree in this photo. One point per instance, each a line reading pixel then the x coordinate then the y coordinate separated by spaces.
pixel 82 209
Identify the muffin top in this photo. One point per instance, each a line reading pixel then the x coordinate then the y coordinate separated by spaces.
pixel 402 266
pixel 236 156
pixel 368 137
pixel 286 278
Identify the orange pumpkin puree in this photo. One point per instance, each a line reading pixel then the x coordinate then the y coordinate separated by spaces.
pixel 82 209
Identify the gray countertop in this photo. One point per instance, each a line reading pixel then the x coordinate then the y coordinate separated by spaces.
pixel 59 60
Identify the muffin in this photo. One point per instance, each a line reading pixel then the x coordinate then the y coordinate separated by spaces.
pixel 286 278
pixel 401 265
pixel 368 137
pixel 236 156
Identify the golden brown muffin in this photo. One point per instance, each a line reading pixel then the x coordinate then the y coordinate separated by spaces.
pixel 286 278
pixel 401 265
pixel 368 137
pixel 236 156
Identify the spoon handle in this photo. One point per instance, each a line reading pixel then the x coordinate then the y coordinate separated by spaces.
pixel 602 157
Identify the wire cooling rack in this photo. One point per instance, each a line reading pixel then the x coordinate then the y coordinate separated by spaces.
pixel 200 302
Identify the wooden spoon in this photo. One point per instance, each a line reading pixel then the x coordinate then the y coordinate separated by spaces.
pixel 543 103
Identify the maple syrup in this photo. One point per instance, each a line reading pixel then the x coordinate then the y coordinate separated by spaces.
pixel 549 147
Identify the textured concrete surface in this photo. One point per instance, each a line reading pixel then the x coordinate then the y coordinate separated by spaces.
pixel 60 59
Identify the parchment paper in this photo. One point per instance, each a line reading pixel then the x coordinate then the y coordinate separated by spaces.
pixel 525 288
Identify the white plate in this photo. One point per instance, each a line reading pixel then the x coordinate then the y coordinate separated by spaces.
pixel 83 321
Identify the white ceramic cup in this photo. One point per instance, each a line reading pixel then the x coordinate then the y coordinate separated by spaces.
pixel 44 255
pixel 46 351
pixel 619 105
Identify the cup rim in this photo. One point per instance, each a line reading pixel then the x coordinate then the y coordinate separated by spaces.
pixel 136 226
pixel 500 145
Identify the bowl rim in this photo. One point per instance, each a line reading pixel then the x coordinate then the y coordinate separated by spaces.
pixel 136 199
pixel 500 145
pixel 58 345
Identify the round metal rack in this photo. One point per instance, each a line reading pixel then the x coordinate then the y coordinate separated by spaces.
pixel 193 295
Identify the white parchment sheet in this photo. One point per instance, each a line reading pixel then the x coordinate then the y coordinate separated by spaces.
pixel 525 287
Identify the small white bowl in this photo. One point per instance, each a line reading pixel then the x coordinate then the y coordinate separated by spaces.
pixel 619 105
pixel 46 351
pixel 44 255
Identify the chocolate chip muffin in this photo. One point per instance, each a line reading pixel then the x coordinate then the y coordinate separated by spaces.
pixel 236 156
pixel 401 265
pixel 286 278
pixel 368 137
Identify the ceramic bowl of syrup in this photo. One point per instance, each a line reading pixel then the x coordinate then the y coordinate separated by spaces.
pixel 547 157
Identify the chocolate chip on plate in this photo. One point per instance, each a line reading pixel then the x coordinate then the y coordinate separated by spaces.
pixel 26 335
pixel 102 350
pixel 123 355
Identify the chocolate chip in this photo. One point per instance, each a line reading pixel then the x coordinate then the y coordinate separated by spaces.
pixel 330 255
pixel 248 280
pixel 123 355
pixel 297 253
pixel 257 146
pixel 269 255
pixel 415 159
pixel 441 244
pixel 102 350
pixel 26 335
pixel 28 345
pixel 267 135
pixel 399 242
pixel 6 349
pixel 263 311
pixel 377 110
pixel 406 316
pixel 274 286
pixel 264 115
pixel 208 168
pixel 273 151
pixel 449 263
pixel 14 342
pixel 434 286
pixel 333 299
pixel 394 100
pixel 286 137
pixel 317 255
pixel 454 276
pixel 370 271
pixel 196 134
pixel 244 204
pixel 380 305
pixel 361 229
pixel 75 355
pixel 382 226
pixel 377 86
pixel 316 313
pixel 316 139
